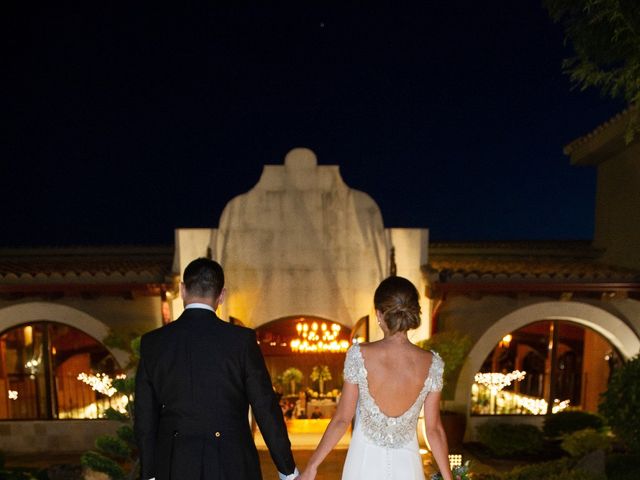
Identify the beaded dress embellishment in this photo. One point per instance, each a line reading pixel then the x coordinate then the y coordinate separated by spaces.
pixel 391 432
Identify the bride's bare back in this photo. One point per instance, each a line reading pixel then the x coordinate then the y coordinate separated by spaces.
pixel 396 372
pixel 397 381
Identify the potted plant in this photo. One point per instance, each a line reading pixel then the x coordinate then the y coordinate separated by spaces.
pixel 292 376
pixel 453 346
pixel 320 374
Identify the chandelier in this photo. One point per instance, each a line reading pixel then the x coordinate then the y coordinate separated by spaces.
pixel 317 338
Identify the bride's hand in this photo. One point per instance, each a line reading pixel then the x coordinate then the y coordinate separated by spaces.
pixel 308 474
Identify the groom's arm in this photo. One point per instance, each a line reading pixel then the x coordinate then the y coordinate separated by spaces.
pixel 267 411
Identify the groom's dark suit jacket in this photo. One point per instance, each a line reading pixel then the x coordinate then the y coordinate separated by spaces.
pixel 196 379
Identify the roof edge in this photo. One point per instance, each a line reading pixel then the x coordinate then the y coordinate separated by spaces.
pixel 602 142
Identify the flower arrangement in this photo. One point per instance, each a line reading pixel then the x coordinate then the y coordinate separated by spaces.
pixel 461 472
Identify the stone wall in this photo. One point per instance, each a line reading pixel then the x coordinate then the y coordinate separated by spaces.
pixel 56 436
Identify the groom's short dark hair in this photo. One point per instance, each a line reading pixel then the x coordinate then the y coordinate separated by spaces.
pixel 203 277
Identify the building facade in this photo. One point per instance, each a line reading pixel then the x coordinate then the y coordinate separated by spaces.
pixel 303 254
pixel 57 308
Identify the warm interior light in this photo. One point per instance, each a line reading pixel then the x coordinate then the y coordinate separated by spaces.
pixel 455 460
pixel 318 338
pixel 28 335
pixel 506 341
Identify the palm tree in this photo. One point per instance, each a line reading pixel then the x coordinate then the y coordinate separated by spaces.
pixel 292 376
pixel 321 374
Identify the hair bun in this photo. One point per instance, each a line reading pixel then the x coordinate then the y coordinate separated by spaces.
pixel 401 318
pixel 398 301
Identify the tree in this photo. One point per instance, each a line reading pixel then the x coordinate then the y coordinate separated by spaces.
pixel 292 376
pixel 605 35
pixel 620 404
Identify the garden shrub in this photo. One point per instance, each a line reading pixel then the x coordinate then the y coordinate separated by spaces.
pixel 504 439
pixel 562 469
pixel 621 403
pixel 570 421
pixel 487 476
pixel 575 474
pixel 540 470
pixel 582 442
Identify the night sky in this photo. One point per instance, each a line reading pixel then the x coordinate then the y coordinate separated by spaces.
pixel 124 122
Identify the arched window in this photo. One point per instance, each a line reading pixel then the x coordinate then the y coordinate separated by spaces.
pixel 544 367
pixel 49 370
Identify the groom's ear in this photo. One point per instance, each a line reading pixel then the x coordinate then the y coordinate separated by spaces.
pixel 221 297
pixel 183 290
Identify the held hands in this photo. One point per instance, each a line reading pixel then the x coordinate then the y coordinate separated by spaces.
pixel 308 474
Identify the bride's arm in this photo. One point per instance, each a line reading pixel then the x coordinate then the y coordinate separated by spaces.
pixel 436 435
pixel 335 430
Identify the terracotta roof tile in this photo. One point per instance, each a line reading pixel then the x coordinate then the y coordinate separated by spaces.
pixel 522 262
pixel 86 265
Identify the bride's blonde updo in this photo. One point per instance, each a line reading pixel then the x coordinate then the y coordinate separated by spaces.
pixel 397 299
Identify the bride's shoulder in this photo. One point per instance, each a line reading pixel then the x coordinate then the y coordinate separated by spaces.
pixel 371 345
pixel 429 356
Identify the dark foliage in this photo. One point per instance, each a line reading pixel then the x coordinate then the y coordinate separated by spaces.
pixel 623 467
pixel 506 440
pixel 605 35
pixel 570 421
pixel 621 404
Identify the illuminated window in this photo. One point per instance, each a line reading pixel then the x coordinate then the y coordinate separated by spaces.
pixel 39 368
pixel 544 367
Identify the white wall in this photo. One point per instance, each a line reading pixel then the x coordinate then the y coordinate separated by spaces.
pixel 411 250
pixel 301 242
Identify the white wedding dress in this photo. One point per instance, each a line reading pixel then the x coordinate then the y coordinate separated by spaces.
pixel 382 447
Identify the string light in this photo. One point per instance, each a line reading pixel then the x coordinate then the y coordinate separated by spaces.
pixel 13 394
pixel 101 383
pixel 509 402
pixel 497 381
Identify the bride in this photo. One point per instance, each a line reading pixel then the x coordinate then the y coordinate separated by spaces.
pixel 386 383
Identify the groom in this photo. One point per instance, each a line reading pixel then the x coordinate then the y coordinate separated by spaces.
pixel 196 379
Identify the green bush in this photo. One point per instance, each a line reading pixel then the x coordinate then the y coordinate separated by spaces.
pixel 453 346
pixel 570 421
pixel 100 463
pixel 487 476
pixel 504 439
pixel 621 404
pixel 562 469
pixel 573 475
pixel 578 444
pixel 537 471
